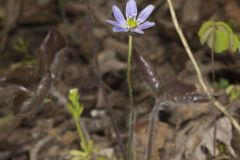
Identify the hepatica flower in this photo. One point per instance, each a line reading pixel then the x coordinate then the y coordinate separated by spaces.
pixel 132 23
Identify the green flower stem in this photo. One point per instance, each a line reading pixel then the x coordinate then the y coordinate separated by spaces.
pixel 80 131
pixel 131 147
pixel 129 78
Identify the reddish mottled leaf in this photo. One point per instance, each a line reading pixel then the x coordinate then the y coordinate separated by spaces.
pixel 167 89
pixel 44 86
pixel 51 57
pixel 50 46
pixel 148 72
pixel 18 101
pixel 8 92
pixel 24 104
pixel 22 75
pixel 58 63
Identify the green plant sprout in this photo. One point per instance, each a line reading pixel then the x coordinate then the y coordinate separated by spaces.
pixel 87 151
pixel 232 91
pixel 76 109
pixel 221 84
pixel 24 63
pixel 22 47
pixel 218 36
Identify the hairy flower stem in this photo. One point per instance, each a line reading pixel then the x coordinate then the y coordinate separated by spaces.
pixel 217 104
pixel 80 131
pixel 131 146
pixel 129 78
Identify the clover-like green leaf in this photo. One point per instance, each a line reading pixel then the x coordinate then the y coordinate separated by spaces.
pixel 218 36
pixel 234 44
pixel 204 28
pixel 220 41
pixel 233 92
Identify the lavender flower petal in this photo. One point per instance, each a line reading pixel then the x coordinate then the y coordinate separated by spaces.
pixel 114 23
pixel 145 13
pixel 137 30
pixel 131 9
pixel 118 14
pixel 146 25
pixel 119 29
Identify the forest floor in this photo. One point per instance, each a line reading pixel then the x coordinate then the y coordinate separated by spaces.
pixel 183 131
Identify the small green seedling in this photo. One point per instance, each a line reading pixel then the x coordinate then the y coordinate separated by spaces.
pixel 221 84
pixel 22 47
pixel 87 149
pixel 232 91
pixel 27 62
pixel 218 36
pixel 76 110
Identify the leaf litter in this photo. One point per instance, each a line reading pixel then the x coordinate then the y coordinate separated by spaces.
pixel 182 131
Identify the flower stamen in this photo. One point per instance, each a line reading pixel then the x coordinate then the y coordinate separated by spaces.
pixel 132 23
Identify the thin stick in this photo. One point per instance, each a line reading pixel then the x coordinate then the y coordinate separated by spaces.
pixel 215 112
pixel 217 104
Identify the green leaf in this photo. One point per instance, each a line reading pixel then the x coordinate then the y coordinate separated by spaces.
pixel 70 108
pixel 90 146
pixel 224 26
pixel 221 42
pixel 208 36
pixel 221 84
pixel 23 63
pixel 233 92
pixel 234 43
pixel 74 106
pixel 205 27
pixel 218 36
pixel 84 146
pixel 77 153
pixel 73 95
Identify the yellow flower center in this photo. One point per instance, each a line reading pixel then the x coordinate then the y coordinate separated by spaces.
pixel 132 23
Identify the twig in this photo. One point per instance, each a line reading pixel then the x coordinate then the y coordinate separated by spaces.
pixel 215 111
pixel 37 148
pixel 151 126
pixel 217 104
